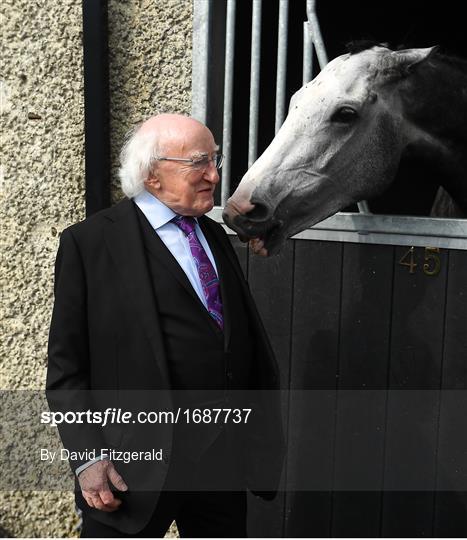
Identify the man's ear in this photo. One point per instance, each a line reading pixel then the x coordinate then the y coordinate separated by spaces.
pixel 152 182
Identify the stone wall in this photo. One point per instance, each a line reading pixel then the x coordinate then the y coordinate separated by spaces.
pixel 150 63
pixel 42 175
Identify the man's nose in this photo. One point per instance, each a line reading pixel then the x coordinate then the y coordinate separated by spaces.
pixel 211 173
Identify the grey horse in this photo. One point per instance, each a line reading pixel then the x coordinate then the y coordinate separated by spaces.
pixel 344 137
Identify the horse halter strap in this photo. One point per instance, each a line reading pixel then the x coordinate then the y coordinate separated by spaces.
pixel 207 274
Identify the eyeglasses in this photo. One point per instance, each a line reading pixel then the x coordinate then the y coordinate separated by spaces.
pixel 201 163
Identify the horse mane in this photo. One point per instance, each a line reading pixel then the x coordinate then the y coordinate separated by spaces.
pixel 359 45
pixel 393 70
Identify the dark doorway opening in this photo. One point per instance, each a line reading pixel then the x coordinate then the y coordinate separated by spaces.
pixel 399 24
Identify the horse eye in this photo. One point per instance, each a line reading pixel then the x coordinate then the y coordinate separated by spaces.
pixel 344 115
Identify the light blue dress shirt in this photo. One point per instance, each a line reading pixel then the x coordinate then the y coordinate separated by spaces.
pixel 159 216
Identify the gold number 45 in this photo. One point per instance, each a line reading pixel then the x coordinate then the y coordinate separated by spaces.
pixel 431 265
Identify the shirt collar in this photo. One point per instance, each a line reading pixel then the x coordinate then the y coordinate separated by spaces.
pixel 156 212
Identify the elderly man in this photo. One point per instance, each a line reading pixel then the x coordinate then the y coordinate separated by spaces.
pixel 150 298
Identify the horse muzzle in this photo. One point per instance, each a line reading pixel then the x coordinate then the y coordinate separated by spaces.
pixel 257 222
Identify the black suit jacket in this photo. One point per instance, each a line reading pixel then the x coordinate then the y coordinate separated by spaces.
pixel 105 340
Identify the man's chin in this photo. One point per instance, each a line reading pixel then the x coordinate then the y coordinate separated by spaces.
pixel 207 208
pixel 201 209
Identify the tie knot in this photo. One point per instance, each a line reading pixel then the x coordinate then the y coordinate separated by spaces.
pixel 186 223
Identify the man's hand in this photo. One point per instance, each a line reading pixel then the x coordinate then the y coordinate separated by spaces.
pixel 257 246
pixel 95 486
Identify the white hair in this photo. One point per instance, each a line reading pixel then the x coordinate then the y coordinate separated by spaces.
pixel 137 159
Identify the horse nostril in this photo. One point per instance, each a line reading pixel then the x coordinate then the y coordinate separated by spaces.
pixel 261 212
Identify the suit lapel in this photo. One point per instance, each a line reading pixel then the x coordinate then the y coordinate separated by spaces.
pixel 158 249
pixel 227 250
pixel 220 256
pixel 262 339
pixel 123 239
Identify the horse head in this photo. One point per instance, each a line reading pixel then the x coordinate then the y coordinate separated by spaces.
pixel 341 143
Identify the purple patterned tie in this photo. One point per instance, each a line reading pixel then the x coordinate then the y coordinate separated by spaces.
pixel 206 272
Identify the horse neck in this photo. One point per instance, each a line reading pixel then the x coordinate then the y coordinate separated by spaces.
pixel 434 104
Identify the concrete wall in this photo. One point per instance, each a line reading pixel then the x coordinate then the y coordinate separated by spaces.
pixel 42 183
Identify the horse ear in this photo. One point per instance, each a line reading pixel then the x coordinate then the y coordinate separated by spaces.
pixel 408 59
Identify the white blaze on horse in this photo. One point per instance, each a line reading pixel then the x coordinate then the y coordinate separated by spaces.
pixel 345 135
